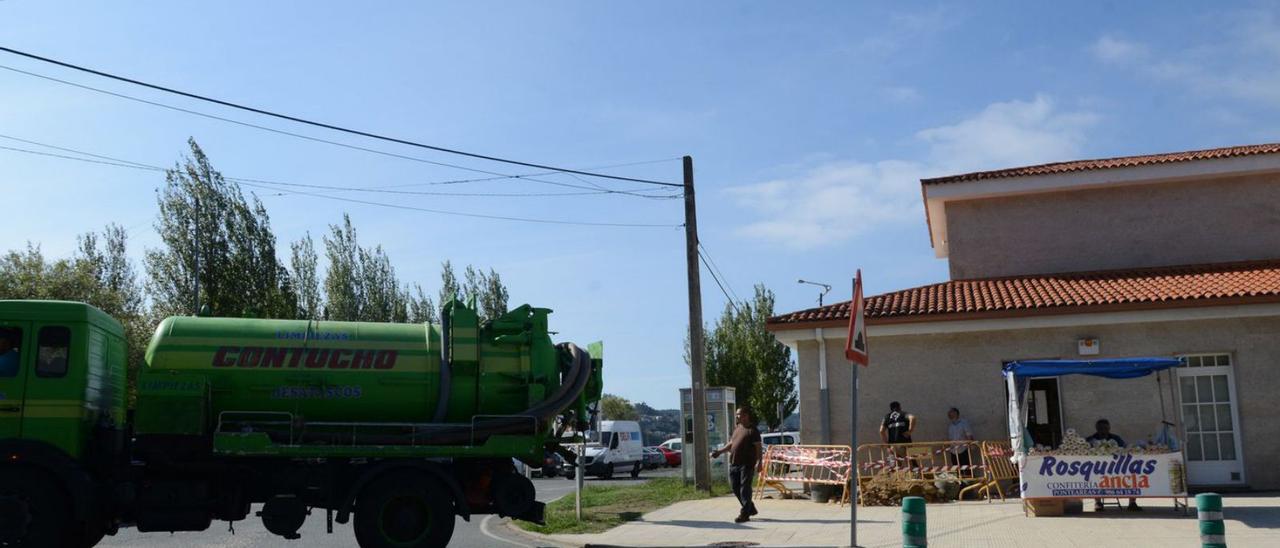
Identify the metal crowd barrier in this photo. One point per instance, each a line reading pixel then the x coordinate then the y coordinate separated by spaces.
pixel 923 462
pixel 806 465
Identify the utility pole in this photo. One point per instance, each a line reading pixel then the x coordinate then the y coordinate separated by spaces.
pixel 195 252
pixel 701 452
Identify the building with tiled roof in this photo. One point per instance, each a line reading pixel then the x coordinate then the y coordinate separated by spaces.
pixel 1159 255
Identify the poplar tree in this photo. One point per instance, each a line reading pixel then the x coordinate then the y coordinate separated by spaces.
pixel 210 232
pixel 306 280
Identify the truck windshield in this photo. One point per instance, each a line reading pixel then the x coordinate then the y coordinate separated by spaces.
pixel 606 439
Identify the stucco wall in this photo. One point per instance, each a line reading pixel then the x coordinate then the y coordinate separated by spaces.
pixel 1121 227
pixel 930 373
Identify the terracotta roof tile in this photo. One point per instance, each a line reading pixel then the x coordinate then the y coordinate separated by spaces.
pixel 1072 292
pixel 1110 163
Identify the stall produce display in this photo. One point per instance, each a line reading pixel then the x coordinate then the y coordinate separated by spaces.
pixel 1073 444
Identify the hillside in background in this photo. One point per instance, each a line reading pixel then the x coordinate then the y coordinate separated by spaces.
pixel 658 425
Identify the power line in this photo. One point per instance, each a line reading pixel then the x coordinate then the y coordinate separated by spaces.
pixel 145 167
pixel 462 214
pixel 496 175
pixel 328 126
pixel 718 270
pixel 108 160
pixel 732 303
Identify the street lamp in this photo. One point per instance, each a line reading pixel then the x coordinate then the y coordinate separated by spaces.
pixel 825 289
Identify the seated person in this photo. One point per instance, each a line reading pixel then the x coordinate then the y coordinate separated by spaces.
pixel 1103 433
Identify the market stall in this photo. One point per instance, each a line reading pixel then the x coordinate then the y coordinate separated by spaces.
pixel 1077 469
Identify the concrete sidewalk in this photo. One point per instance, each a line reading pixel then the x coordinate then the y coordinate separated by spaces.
pixel 1251 521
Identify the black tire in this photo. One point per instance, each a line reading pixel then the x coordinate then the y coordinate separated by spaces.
pixel 635 471
pixel 89 537
pixel 404 509
pixel 569 474
pixel 42 505
pixel 549 472
pixel 608 471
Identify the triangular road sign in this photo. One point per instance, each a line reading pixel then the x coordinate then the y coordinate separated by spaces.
pixel 855 348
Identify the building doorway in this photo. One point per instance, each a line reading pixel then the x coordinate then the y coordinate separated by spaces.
pixel 1044 412
pixel 1211 420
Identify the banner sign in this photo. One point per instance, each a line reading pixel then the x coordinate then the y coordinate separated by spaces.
pixel 1154 475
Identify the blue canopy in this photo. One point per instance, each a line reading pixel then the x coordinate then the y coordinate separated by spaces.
pixel 1118 368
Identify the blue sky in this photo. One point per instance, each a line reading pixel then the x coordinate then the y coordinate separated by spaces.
pixel 810 125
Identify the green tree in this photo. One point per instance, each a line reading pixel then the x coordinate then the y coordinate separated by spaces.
pixel 306 280
pixel 488 290
pixel 616 408
pixel 343 283
pixel 741 353
pixel 421 309
pixel 361 283
pixel 384 300
pixel 211 232
pixel 448 284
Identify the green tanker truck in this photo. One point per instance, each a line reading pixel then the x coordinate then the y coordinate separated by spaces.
pixel 399 426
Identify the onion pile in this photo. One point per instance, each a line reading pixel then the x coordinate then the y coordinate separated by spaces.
pixel 1073 444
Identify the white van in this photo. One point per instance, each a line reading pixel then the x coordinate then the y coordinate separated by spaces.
pixel 618 448
pixel 782 438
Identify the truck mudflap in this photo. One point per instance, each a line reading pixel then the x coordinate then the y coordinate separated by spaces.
pixel 535 514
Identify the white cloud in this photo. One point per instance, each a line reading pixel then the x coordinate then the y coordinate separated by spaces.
pixel 837 200
pixel 1116 50
pixel 1008 134
pixel 1240 65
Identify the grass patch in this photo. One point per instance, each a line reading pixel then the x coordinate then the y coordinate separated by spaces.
pixel 605 507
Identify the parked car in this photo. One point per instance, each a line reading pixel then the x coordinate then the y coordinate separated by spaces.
pixel 784 438
pixel 672 456
pixel 674 444
pixel 653 458
pixel 551 464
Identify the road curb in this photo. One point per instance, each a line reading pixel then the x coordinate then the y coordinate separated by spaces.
pixel 536 539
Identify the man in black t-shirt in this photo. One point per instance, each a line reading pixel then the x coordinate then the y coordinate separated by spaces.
pixel 897 425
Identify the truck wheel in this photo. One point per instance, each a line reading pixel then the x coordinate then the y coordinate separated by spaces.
pixel 403 510
pixel 89 536
pixel 635 471
pixel 32 509
pixel 608 471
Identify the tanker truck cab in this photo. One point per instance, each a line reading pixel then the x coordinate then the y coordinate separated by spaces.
pixel 62 412
pixel 619 449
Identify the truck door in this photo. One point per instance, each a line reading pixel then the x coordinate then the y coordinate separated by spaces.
pixel 15 364
pixel 53 405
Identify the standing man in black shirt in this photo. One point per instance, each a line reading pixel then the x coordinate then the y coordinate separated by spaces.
pixel 744 448
pixel 898 425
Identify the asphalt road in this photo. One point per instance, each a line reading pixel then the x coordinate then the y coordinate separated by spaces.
pixel 481 532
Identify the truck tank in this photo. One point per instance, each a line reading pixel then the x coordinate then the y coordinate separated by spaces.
pixel 422 376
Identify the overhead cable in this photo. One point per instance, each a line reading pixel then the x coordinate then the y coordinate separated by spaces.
pixel 135 165
pixel 496 175
pixel 326 125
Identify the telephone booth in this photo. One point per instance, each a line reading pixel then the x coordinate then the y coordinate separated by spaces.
pixel 721 407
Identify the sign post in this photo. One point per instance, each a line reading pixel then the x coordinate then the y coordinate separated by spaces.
pixel 855 350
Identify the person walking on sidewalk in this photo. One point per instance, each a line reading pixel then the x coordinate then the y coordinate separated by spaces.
pixel 744 450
